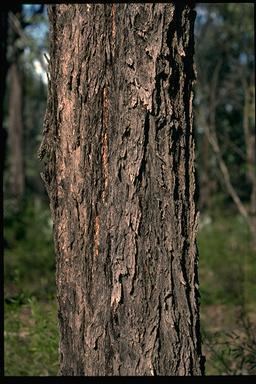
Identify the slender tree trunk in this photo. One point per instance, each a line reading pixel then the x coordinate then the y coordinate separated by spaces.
pixel 15 130
pixel 15 117
pixel 119 169
pixel 205 181
pixel 250 144
pixel 3 72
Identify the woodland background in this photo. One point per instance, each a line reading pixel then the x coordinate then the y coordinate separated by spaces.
pixel 224 120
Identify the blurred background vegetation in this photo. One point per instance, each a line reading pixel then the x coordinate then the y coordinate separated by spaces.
pixel 225 150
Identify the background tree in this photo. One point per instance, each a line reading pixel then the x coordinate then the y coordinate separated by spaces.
pixel 29 265
pixel 225 127
pixel 225 112
pixel 15 112
pixel 227 260
pixel 119 170
pixel 3 46
pixel 21 118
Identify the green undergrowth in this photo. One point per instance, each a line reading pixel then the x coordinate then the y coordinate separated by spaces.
pixel 31 338
pixel 227 270
pixel 227 262
pixel 30 314
pixel 29 261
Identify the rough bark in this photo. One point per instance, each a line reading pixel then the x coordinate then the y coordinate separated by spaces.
pixel 119 169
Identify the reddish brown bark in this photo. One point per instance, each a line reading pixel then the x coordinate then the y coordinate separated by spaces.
pixel 119 169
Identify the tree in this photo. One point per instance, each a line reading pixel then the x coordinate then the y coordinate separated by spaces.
pixel 118 149
pixel 15 112
pixel 23 111
pixel 3 45
pixel 226 102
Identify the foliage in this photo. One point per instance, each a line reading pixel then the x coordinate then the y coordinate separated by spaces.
pixel 227 262
pixel 233 353
pixel 225 48
pixel 31 333
pixel 29 254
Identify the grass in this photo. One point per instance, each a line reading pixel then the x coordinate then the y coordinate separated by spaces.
pixel 227 282
pixel 31 338
pixel 227 279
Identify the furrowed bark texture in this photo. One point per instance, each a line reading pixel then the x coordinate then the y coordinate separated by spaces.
pixel 119 171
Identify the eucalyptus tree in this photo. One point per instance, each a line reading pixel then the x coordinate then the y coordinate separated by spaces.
pixel 118 150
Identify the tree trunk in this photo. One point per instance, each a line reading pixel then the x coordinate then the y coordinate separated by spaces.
pixel 15 117
pixel 250 145
pixel 3 72
pixel 119 170
pixel 15 133
pixel 205 180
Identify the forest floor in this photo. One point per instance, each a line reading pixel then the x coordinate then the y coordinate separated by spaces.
pixel 227 269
